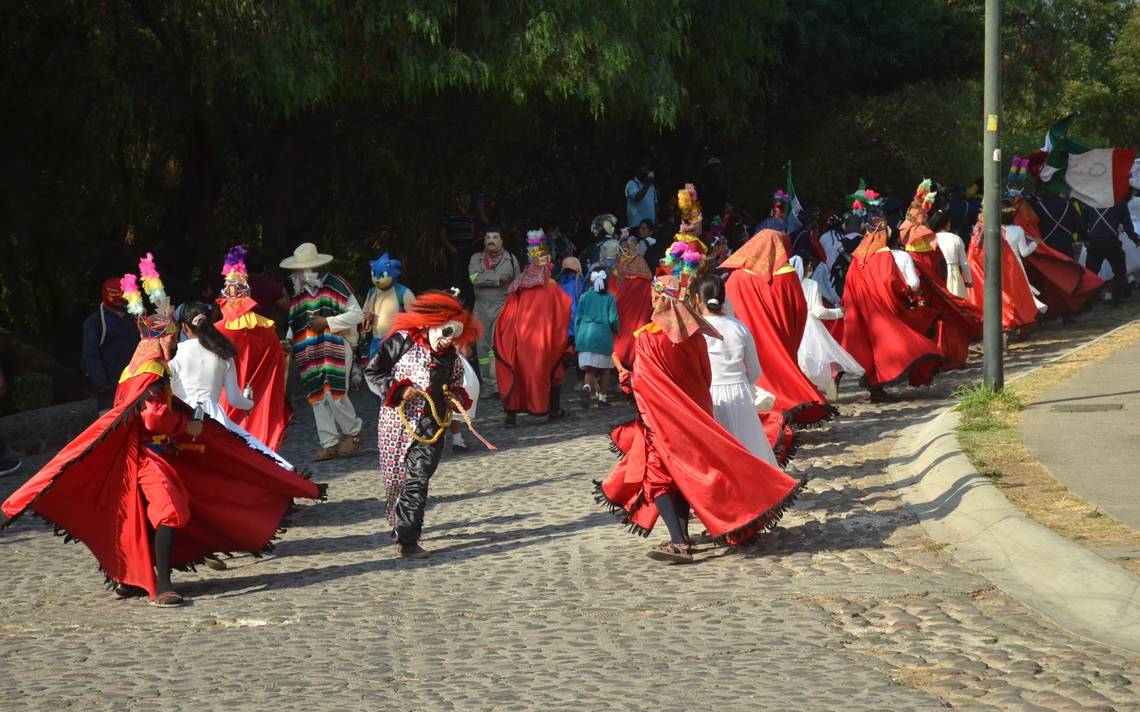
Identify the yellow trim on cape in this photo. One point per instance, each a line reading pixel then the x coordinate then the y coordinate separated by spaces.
pixel 249 320
pixel 786 269
pixel 922 245
pixel 152 366
pixel 650 328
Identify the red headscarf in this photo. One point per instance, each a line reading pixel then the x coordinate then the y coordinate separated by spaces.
pixel 676 317
pixel 433 309
pixel 764 254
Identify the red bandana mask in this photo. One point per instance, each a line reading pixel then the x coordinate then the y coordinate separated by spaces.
pixel 113 294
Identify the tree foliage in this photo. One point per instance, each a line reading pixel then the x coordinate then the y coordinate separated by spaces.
pixel 184 127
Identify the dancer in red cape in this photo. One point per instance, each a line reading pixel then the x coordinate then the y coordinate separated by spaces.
pixel 633 292
pixel 145 470
pixel 1018 307
pixel 1065 284
pixel 765 294
pixel 675 455
pixel 960 322
pixel 260 360
pixel 531 334
pixel 884 333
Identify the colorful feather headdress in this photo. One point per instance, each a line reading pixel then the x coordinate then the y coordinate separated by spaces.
pixel 779 204
pixel 864 200
pixel 152 325
pixel 536 245
pixel 1018 172
pixel 235 274
pixel 923 200
pixel 690 209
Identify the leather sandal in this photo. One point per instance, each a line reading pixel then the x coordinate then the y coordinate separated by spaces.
pixel 673 553
pixel 167 599
pixel 349 446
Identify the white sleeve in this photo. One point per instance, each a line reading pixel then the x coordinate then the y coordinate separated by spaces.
pixel 964 263
pixel 751 359
pixel 815 303
pixel 233 393
pixel 906 266
pixel 349 318
pixel 176 386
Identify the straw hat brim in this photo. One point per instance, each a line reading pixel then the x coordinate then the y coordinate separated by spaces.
pixel 318 260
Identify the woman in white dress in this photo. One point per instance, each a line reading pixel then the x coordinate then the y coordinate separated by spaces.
pixel 820 354
pixel 202 366
pixel 953 250
pixel 735 370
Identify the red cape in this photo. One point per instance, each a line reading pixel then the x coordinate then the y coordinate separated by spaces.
pixel 260 364
pixel 880 331
pixel 531 334
pixel 959 323
pixel 780 435
pixel 1018 310
pixel 776 313
pixel 735 494
pixel 634 296
pixel 1064 283
pixel 90 489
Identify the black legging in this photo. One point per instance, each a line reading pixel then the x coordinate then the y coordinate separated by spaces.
pixel 422 461
pixel 163 553
pixel 674 511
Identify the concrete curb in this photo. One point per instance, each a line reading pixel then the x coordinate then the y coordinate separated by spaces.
pixel 1063 581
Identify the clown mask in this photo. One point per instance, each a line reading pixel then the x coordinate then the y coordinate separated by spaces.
pixel 443 337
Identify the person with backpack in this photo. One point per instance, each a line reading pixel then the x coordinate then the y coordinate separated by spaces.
pixel 109 339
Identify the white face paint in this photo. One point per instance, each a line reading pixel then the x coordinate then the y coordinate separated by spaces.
pixel 442 337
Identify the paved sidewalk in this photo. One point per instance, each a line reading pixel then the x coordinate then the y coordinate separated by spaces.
pixel 536 599
pixel 1086 432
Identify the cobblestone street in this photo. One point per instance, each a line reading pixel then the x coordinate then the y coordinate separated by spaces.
pixel 535 598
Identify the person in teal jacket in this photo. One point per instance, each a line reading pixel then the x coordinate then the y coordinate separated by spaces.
pixel 595 324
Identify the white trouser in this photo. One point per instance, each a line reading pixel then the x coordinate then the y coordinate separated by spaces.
pixel 335 419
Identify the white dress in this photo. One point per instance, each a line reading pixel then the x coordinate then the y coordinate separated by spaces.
pixel 957 266
pixel 735 368
pixel 1022 246
pixel 820 354
pixel 197 377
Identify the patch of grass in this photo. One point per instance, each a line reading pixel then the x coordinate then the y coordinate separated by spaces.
pixel 989 433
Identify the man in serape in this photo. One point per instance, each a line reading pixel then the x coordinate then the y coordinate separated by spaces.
pixel 765 294
pixel 959 323
pixel 632 290
pixel 884 329
pixel 146 488
pixel 1064 284
pixel 675 455
pixel 531 334
pixel 260 362
pixel 324 318
pixel 418 374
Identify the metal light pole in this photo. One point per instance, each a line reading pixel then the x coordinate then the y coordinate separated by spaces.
pixel 991 202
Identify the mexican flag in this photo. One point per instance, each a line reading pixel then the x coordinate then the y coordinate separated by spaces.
pixel 1096 177
pixel 794 205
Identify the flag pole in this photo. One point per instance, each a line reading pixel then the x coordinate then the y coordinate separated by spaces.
pixel 992 369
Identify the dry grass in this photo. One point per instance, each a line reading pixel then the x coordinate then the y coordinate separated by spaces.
pixel 990 435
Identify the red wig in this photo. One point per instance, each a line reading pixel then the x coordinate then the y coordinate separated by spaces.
pixel 432 309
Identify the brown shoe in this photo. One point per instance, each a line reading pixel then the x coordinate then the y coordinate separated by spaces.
pixel 327 454
pixel 672 553
pixel 349 446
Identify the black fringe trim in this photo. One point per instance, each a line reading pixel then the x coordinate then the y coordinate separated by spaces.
pixel 131 411
pixel 763 522
pixel 618 510
pixel 789 452
pixel 830 412
pixel 904 377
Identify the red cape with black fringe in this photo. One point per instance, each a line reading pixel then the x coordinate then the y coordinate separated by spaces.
pixel 880 330
pixel 959 323
pixel 531 334
pixel 260 364
pixel 1018 308
pixel 676 442
pixel 775 311
pixel 1065 285
pixel 634 297
pixel 90 489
